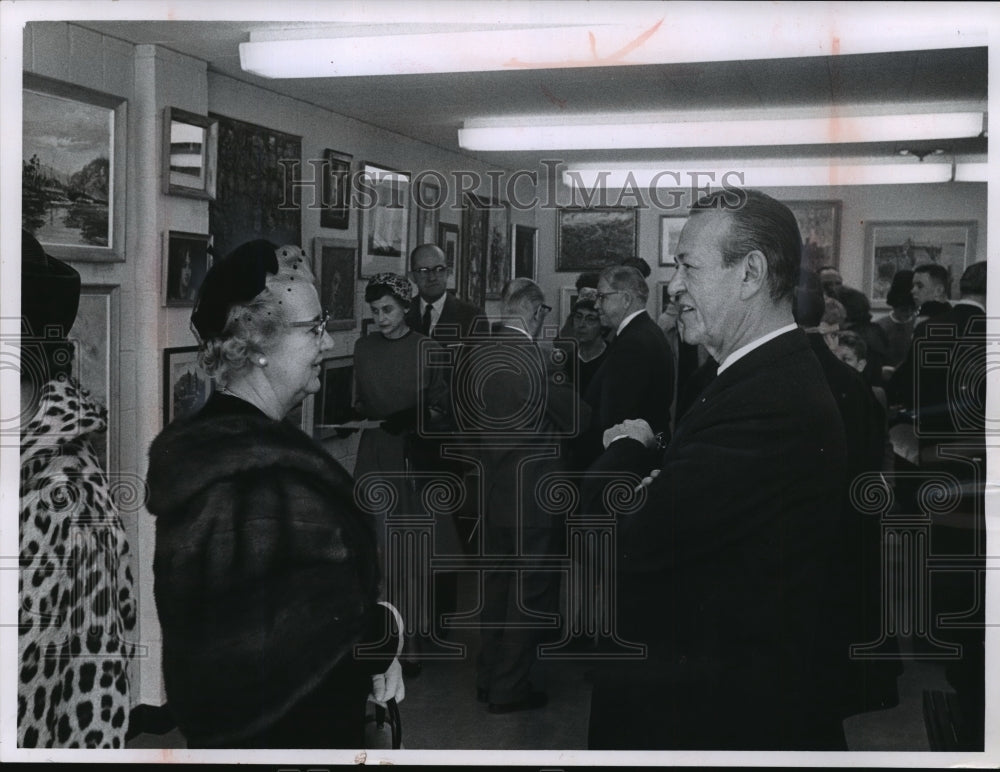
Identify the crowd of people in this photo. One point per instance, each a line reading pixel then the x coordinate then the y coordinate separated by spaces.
pixel 741 419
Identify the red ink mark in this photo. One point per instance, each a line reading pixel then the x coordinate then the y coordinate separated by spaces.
pixel 560 103
pixel 616 58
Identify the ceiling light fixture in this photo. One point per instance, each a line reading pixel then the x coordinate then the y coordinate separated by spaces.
pixel 769 174
pixel 540 36
pixel 630 130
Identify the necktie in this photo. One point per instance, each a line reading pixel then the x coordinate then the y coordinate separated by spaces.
pixel 425 323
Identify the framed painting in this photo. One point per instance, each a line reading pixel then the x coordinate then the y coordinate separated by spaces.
pixel 186 387
pixel 472 269
pixel 95 335
pixel 448 240
pixel 670 233
pixel 819 224
pixel 428 211
pixel 336 395
pixel 73 170
pixel 662 295
pixel 593 238
pixel 255 196
pixel 384 202
pixel 567 301
pixel 525 249
pixel 190 154
pixel 336 211
pixel 186 260
pixel 895 246
pixel 334 265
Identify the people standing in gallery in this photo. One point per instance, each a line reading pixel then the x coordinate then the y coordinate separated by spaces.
pixel 898 324
pixel 392 384
pixel 77 613
pixel 265 572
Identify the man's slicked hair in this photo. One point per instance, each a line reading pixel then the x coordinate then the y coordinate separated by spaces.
pixel 760 223
pixel 628 278
pixel 938 273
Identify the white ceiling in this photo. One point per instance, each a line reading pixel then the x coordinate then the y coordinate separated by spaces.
pixel 431 108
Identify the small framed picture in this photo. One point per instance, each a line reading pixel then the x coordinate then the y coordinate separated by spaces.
pixel 336 212
pixel 448 240
pixel 589 239
pixel 385 222
pixel 428 212
pixel 662 295
pixel 525 244
pixel 567 301
pixel 670 233
pixel 335 405
pixel 334 264
pixel 186 260
pixel 186 387
pixel 190 154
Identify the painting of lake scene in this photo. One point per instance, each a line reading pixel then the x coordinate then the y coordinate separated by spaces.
pixel 67 161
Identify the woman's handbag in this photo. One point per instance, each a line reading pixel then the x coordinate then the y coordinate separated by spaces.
pixel 383 726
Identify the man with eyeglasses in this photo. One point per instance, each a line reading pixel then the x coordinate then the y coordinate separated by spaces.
pixel 636 379
pixel 439 314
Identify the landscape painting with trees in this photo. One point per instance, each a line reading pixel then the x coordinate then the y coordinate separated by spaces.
pixel 67 160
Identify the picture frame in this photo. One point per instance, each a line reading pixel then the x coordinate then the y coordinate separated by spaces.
pixel 472 267
pixel 567 300
pixel 819 224
pixel 95 335
pixel 334 263
pixel 670 232
pixel 891 246
pixel 190 154
pixel 524 253
pixel 186 259
pixel 592 238
pixel 491 229
pixel 662 296
pixel 186 387
pixel 255 187
pixel 428 202
pixel 385 221
pixel 74 151
pixel 336 210
pixel 448 239
pixel 335 400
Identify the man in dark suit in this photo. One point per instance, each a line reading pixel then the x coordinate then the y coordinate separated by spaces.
pixel 931 290
pixel 724 564
pixel 439 313
pixel 637 377
pixel 526 416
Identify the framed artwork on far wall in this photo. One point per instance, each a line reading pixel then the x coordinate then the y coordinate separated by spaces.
pixel 428 203
pixel 334 262
pixel 448 240
pixel 567 301
pixel 670 233
pixel 73 170
pixel 186 387
pixel 336 211
pixel 384 207
pixel 525 250
pixel 190 154
pixel 662 293
pixel 819 224
pixel 472 268
pixel 895 246
pixel 590 239
pixel 186 260
pixel 334 405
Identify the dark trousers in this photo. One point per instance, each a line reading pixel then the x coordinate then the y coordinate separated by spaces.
pixel 509 634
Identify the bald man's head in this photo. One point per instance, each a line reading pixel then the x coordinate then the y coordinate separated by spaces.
pixel 429 271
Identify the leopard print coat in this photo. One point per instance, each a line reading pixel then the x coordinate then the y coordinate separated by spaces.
pixel 77 612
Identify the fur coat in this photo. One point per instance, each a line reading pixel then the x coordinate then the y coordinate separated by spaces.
pixel 265 572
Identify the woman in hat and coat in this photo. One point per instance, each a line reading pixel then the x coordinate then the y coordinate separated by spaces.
pixel 266 575
pixel 76 622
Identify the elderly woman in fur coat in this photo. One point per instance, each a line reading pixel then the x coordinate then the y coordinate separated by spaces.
pixel 266 575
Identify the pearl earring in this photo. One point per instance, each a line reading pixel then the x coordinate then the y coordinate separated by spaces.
pixel 262 361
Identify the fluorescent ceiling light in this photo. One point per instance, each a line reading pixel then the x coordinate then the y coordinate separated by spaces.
pixel 564 35
pixel 637 131
pixel 767 174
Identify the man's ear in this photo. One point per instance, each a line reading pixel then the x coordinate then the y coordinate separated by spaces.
pixel 754 273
